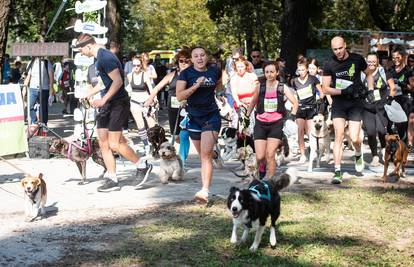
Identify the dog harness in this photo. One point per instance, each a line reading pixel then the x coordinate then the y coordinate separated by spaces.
pixel 87 150
pixel 262 195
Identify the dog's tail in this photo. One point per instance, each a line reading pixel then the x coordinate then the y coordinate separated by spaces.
pixel 286 179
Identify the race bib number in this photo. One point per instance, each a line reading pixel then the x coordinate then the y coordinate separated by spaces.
pixel 342 84
pixel 305 92
pixel 174 102
pixel 270 104
pixel 377 95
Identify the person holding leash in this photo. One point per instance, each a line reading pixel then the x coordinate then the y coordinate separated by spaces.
pixel 113 111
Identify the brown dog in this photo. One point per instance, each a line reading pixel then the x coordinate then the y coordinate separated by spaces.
pixel 35 196
pixel 397 152
pixel 78 156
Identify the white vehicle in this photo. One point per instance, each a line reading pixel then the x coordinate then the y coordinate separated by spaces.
pixel 89 6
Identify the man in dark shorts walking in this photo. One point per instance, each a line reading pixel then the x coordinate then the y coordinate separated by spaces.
pixel 342 79
pixel 113 111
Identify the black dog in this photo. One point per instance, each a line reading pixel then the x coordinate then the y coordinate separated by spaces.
pixel 74 153
pixel 156 136
pixel 251 207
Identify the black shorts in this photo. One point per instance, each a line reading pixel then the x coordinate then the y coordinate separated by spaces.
pixel 306 114
pixel 114 115
pixel 198 124
pixel 264 130
pixel 348 109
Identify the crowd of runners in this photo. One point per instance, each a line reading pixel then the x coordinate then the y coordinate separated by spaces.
pixel 350 89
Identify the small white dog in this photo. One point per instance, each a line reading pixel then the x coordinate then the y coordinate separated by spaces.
pixel 319 141
pixel 35 196
pixel 171 164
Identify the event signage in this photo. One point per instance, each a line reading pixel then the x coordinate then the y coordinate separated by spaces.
pixel 89 6
pixel 89 27
pixel 12 130
pixel 40 49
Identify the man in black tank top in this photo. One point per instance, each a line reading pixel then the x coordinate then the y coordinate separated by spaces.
pixel 342 79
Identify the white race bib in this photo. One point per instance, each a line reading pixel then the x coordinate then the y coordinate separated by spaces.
pixel 377 95
pixel 174 102
pixel 305 92
pixel 270 104
pixel 342 84
pixel 397 88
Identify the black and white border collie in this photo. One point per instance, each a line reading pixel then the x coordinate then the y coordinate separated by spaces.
pixel 234 140
pixel 251 207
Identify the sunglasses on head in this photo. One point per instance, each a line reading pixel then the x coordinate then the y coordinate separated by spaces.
pixel 183 61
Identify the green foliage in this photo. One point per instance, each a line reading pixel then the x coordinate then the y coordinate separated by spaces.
pixel 169 24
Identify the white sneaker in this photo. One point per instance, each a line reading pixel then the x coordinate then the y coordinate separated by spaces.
pixel 375 161
pixel 302 159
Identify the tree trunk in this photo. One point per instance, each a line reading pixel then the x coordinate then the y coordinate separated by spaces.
pixel 294 27
pixel 4 22
pixel 113 21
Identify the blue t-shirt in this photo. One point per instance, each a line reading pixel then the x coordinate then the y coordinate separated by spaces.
pixel 202 101
pixel 106 62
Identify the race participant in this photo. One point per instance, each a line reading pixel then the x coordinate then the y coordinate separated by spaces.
pixel 113 111
pixel 141 87
pixel 374 116
pixel 243 85
pixel 306 86
pixel 182 59
pixel 410 61
pixel 270 109
pixel 400 72
pixel 197 85
pixel 257 61
pixel 149 68
pixel 342 79
pixel 322 103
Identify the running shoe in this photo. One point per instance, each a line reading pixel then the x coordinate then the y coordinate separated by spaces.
pixel 375 161
pixel 201 196
pixel 302 159
pixel 359 163
pixel 337 179
pixel 109 185
pixel 142 175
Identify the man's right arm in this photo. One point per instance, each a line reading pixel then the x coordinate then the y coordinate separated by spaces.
pixel 326 86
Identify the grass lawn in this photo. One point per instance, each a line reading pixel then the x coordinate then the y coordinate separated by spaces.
pixel 346 227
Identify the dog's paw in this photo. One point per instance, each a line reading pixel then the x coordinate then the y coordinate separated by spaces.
pixel 253 248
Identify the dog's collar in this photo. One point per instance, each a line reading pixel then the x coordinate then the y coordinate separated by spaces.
pixel 32 195
pixel 266 196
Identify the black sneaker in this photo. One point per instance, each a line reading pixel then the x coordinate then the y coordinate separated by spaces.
pixel 142 175
pixel 109 185
pixel 337 179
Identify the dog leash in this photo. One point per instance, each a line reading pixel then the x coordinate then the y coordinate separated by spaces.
pixel 13 165
pixel 11 193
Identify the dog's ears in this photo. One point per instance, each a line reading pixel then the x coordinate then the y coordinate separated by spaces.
pixel 233 189
pixel 23 180
pixel 397 137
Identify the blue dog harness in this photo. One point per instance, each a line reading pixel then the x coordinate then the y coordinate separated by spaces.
pixel 262 195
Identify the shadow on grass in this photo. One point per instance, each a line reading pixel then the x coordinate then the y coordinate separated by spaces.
pixel 172 236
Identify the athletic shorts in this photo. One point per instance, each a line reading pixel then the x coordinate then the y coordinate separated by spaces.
pixel 264 130
pixel 306 114
pixel 114 115
pixel 348 109
pixel 199 124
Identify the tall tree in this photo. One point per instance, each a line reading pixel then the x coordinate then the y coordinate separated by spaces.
pixel 393 15
pixel 4 21
pixel 113 21
pixel 294 29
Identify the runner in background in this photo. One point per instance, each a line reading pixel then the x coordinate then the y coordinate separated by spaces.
pixel 257 61
pixel 306 87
